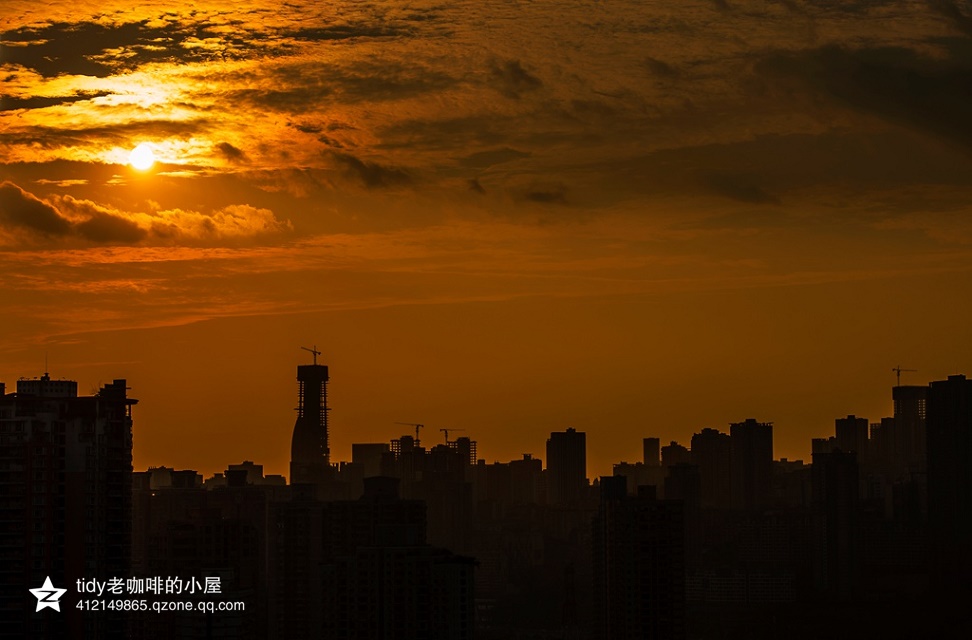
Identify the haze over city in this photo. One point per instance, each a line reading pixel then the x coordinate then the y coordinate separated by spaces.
pixel 635 219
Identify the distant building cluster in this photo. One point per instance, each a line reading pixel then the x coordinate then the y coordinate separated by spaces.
pixel 409 541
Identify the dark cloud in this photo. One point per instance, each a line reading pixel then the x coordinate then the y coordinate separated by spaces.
pixel 99 50
pixel 109 229
pixel 951 11
pixel 474 185
pixel 24 210
pixel 511 79
pixel 230 152
pixel 749 219
pixel 372 174
pixel 297 85
pixel 97 223
pixel 547 194
pixel 119 134
pixel 660 68
pixel 931 95
pixel 588 109
pixel 93 49
pixel 21 209
pixel 791 5
pixel 345 32
pixel 9 103
pixel 739 188
pixel 483 159
pixel 387 81
pixel 448 133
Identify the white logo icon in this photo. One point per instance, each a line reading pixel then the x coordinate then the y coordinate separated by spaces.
pixel 48 596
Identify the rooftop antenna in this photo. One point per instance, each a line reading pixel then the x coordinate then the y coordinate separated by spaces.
pixel 314 351
pixel 898 370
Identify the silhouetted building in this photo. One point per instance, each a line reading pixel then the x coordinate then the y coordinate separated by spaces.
pixel 673 454
pixel 244 474
pixel 526 484
pixel 684 482
pixel 752 463
pixel 66 474
pixel 837 535
pixel 909 429
pixel 361 570
pixel 309 452
pixel 852 436
pixel 641 475
pixel 651 452
pixel 712 452
pixel 949 422
pixel 369 455
pixel 181 528
pixel 466 449
pixel 566 466
pixel 881 443
pixel 639 570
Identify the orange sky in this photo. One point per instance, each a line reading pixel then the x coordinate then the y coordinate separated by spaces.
pixel 509 217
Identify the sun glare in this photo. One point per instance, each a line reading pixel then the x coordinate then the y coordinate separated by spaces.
pixel 142 157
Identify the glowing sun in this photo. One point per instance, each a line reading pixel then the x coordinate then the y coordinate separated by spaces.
pixel 142 157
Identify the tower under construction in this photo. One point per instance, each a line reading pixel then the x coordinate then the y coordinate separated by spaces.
pixel 310 456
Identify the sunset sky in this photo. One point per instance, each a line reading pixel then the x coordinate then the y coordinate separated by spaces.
pixel 509 217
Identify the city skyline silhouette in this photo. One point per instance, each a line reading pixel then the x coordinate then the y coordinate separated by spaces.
pixel 521 216
pixel 408 540
pixel 609 319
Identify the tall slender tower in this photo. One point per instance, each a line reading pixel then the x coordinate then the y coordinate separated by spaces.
pixel 310 456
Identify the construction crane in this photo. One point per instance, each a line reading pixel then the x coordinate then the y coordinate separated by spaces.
pixel 314 351
pixel 898 370
pixel 417 427
pixel 446 432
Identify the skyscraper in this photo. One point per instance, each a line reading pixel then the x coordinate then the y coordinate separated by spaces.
pixel 310 455
pixel 66 474
pixel 566 466
pixel 752 463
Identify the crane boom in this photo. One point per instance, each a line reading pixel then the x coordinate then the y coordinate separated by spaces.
pixel 446 432
pixel 417 426
pixel 314 351
pixel 898 370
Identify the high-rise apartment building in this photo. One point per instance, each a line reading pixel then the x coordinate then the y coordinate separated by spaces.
pixel 909 429
pixel 752 463
pixel 566 466
pixel 66 501
pixel 949 422
pixel 712 452
pixel 837 537
pixel 852 435
pixel 638 565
